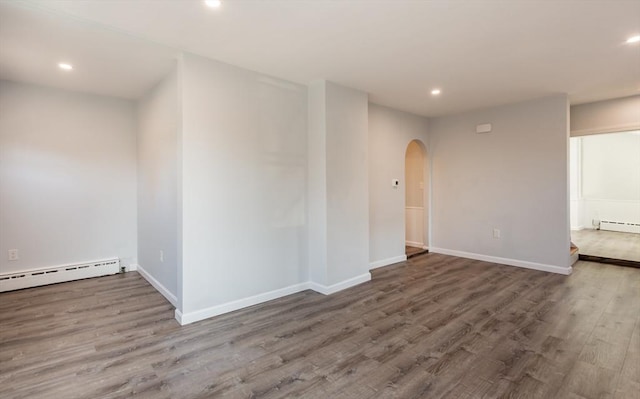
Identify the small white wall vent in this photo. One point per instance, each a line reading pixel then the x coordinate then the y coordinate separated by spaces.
pixel 484 128
pixel 59 274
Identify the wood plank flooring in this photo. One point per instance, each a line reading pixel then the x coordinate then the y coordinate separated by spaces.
pixel 414 251
pixel 433 327
pixel 608 244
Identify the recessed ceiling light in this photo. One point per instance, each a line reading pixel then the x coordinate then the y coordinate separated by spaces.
pixel 633 39
pixel 65 66
pixel 435 92
pixel 213 3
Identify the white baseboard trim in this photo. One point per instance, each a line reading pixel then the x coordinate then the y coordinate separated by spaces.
pixel 156 284
pixel 504 261
pixel 191 317
pixel 330 289
pixel 132 267
pixel 387 262
pixel 414 244
pixel 578 228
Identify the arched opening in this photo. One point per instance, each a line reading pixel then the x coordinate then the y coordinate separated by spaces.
pixel 416 199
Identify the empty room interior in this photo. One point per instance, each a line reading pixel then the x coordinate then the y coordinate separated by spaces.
pixel 319 199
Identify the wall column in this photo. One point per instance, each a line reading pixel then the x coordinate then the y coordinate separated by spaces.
pixel 338 188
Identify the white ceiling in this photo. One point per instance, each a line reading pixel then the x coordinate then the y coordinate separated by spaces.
pixel 33 42
pixel 480 53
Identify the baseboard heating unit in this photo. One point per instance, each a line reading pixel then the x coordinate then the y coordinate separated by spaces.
pixel 58 274
pixel 622 227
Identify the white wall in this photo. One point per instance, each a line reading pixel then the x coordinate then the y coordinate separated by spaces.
pixel 575 184
pixel 608 116
pixel 67 177
pixel 414 195
pixel 347 183
pixel 390 132
pixel 609 168
pixel 157 185
pixel 514 179
pixel 244 143
pixel 317 182
pixel 414 175
pixel 337 187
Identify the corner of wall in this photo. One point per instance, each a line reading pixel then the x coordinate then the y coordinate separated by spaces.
pixel 387 262
pixel 343 285
pixel 157 285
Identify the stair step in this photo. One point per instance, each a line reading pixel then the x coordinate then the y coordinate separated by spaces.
pixel 573 249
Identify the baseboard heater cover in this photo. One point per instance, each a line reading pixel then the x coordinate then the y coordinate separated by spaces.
pixel 58 274
pixel 622 227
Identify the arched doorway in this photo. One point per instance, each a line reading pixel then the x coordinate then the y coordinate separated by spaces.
pixel 416 199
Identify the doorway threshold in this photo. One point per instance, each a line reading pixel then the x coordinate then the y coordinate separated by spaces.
pixel 414 251
pixel 609 261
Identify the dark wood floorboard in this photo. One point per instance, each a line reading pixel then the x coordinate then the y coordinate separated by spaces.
pixel 609 261
pixel 432 327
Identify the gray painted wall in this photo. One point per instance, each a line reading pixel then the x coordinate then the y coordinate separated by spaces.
pixel 157 183
pixel 514 179
pixel 244 144
pixel 390 132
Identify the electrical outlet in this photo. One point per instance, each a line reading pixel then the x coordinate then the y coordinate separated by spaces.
pixel 161 256
pixel 496 233
pixel 13 254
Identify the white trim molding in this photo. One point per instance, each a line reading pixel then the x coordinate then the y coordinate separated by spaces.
pixel 623 127
pixel 414 244
pixel 504 261
pixel 156 284
pixel 387 262
pixel 331 289
pixel 191 317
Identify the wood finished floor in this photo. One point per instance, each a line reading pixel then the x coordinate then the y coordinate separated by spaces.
pixel 608 244
pixel 414 251
pixel 435 326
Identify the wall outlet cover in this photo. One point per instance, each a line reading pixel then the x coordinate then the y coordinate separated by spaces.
pixel 13 254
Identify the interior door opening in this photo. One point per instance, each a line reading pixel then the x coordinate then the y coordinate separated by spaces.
pixel 605 197
pixel 416 199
